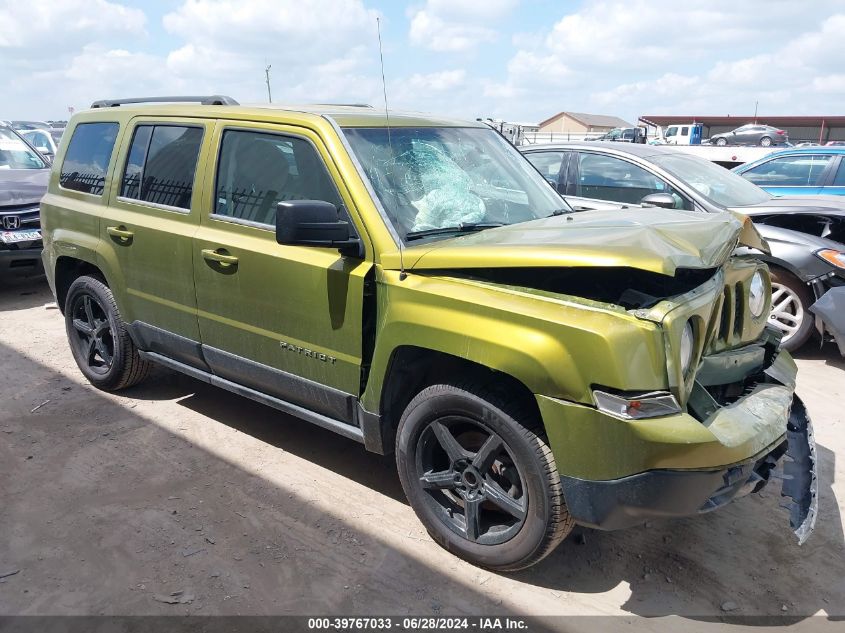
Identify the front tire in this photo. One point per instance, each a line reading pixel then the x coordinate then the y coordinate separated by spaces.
pixel 98 338
pixel 479 474
pixel 721 142
pixel 790 313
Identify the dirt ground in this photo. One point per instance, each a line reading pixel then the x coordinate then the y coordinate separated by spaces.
pixel 108 503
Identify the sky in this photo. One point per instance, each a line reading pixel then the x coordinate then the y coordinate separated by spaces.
pixel 517 60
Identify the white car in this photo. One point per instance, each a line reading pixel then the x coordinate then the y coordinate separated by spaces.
pixel 42 141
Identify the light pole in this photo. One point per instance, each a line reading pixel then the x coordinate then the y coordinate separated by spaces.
pixel 267 76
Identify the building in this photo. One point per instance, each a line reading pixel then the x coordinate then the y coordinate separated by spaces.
pixel 814 129
pixel 581 123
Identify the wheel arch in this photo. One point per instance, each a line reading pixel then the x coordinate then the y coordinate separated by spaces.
pixel 67 270
pixel 411 369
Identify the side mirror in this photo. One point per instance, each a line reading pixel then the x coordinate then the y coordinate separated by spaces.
pixel 663 200
pixel 315 223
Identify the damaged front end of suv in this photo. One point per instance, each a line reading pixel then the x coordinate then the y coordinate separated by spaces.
pixel 663 391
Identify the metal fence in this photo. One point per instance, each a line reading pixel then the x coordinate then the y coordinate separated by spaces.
pixel 87 183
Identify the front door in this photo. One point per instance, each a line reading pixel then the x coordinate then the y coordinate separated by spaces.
pixel 284 320
pixel 147 230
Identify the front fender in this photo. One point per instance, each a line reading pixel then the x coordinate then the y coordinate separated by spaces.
pixel 558 347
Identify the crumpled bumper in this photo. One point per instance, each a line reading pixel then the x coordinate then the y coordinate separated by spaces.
pixel 770 415
pixel 830 310
pixel 800 473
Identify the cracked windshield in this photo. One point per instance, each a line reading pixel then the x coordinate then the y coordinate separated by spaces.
pixel 442 181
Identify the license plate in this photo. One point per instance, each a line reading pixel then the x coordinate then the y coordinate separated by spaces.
pixel 11 237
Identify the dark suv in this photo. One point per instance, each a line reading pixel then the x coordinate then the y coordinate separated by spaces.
pixel 23 181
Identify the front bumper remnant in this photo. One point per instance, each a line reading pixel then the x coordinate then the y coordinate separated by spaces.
pixel 800 473
pixel 666 493
pixel 830 315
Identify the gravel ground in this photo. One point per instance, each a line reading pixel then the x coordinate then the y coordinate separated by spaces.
pixel 115 504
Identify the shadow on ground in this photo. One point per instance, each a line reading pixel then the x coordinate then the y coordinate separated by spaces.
pixel 679 567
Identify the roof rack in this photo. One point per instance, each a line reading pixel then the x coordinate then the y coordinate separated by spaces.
pixel 206 100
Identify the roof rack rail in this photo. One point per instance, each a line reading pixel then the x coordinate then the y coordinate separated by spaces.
pixel 204 100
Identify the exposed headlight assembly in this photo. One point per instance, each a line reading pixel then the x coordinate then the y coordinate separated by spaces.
pixel 648 405
pixel 757 295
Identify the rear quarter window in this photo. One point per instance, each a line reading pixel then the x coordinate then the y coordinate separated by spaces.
pixel 87 157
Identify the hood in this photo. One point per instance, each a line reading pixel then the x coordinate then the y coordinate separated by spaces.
pixel 20 187
pixel 824 205
pixel 652 239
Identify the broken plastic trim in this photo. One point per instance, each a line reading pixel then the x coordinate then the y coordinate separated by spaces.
pixel 800 476
pixel 648 405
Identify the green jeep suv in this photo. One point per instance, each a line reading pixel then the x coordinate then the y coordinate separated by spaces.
pixel 415 285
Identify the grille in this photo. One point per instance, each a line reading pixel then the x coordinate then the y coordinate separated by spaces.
pixel 28 215
pixel 731 320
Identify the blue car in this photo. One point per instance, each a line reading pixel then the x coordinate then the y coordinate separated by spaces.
pixel 799 171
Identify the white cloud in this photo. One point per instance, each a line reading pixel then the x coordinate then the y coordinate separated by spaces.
pixel 47 24
pixel 456 25
pixel 437 82
pixel 636 57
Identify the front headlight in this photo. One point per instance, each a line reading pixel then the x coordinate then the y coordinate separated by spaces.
pixel 638 407
pixel 757 295
pixel 687 345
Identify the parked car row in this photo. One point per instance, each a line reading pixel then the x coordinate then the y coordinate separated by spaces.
pixel 805 234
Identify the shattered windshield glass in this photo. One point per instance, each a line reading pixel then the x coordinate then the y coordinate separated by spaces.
pixel 431 180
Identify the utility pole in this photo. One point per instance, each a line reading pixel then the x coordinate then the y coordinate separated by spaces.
pixel 267 76
pixel 755 111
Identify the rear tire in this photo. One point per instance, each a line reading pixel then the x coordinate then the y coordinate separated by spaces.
pixel 478 472
pixel 766 141
pixel 791 299
pixel 98 338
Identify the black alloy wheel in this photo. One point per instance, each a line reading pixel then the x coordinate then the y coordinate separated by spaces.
pixel 471 481
pixel 94 339
pixel 478 471
pixel 98 337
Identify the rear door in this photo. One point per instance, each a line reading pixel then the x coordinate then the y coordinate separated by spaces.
pixel 284 320
pixel 148 227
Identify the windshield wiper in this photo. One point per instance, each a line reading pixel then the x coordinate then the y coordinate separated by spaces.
pixel 557 212
pixel 463 227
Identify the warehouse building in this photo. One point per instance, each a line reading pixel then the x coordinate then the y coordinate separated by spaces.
pixel 581 123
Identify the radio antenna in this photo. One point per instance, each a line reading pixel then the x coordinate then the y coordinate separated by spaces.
pixel 402 274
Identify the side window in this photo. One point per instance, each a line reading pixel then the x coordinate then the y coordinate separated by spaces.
pixel 87 157
pixel 839 181
pixel 685 131
pixel 672 131
pixel 257 170
pixel 547 163
pixel 610 178
pixel 789 171
pixel 161 165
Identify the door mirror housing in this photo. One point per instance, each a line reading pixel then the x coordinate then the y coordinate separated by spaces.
pixel 664 200
pixel 315 223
